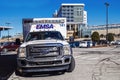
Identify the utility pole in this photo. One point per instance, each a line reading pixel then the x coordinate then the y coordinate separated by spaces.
pixel 107 4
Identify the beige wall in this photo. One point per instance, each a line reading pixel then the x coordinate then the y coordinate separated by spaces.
pixel 115 31
pixel 70 33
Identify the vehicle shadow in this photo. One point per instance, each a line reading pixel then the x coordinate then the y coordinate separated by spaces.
pixel 44 74
pixel 7 66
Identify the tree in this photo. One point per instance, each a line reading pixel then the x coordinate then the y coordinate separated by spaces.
pixel 95 36
pixel 102 35
pixel 110 37
pixel 118 35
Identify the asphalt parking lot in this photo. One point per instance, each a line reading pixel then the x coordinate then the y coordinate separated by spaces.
pixel 7 65
pixel 91 64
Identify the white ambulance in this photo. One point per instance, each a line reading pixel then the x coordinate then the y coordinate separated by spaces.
pixel 44 48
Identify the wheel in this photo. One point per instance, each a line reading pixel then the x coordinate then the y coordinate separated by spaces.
pixel 18 73
pixel 71 65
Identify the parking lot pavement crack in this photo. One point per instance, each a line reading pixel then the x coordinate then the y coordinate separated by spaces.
pixel 105 67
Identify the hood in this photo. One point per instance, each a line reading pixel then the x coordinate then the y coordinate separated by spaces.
pixel 63 42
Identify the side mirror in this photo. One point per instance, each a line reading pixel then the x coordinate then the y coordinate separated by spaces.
pixel 17 41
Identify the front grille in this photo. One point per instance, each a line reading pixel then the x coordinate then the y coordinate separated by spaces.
pixel 38 51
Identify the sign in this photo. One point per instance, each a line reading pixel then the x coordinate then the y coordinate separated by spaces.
pixel 49 24
pixel 44 26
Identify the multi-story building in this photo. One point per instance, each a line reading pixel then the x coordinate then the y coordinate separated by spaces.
pixel 76 18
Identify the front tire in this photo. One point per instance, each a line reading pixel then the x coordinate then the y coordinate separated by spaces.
pixel 18 73
pixel 71 65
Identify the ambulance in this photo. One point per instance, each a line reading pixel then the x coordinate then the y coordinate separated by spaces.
pixel 45 48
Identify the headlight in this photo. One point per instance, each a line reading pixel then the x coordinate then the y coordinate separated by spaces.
pixel 66 50
pixel 22 52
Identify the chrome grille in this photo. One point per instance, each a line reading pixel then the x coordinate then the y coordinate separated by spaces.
pixel 36 51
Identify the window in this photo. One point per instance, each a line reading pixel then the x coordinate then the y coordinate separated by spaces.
pixel 44 35
pixel 68 27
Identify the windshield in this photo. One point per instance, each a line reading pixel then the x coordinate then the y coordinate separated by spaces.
pixel 44 35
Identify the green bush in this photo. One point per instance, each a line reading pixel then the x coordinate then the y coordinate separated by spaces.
pixel 110 37
pixel 95 36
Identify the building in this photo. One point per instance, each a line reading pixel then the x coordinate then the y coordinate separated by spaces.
pixel 101 29
pixel 112 28
pixel 76 18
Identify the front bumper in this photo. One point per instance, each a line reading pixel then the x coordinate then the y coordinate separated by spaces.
pixel 44 64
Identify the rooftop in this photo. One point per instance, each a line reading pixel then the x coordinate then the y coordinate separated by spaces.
pixel 4 28
pixel 73 4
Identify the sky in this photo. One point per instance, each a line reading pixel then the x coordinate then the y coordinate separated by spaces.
pixel 13 11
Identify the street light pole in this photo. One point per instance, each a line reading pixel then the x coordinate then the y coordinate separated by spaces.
pixel 7 23
pixel 107 4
